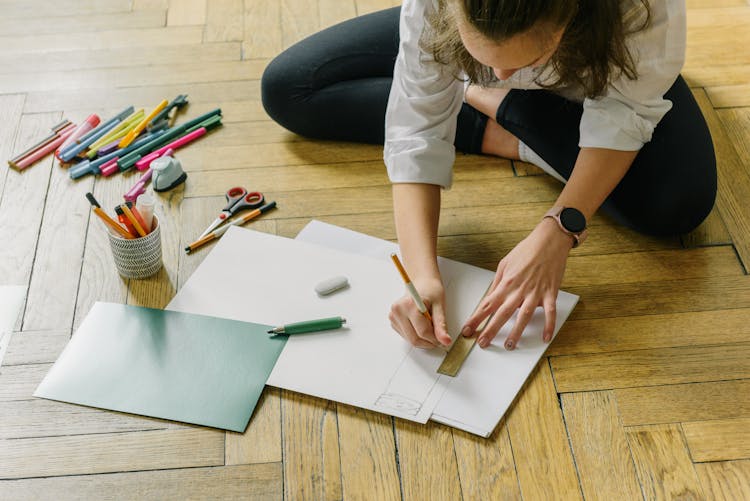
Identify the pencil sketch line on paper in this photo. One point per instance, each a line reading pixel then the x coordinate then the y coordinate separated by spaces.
pixel 396 401
pixel 400 403
pixel 407 390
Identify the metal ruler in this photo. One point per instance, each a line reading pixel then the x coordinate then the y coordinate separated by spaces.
pixel 455 357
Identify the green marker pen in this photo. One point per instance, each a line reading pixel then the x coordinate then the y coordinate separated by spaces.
pixel 322 324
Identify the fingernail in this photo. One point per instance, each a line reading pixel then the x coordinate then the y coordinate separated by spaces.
pixel 466 331
pixel 509 344
pixel 482 342
pixel 547 337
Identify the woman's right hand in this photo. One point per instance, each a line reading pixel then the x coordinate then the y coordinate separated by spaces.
pixel 412 325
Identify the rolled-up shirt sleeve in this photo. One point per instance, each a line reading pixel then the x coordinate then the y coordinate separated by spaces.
pixel 425 98
pixel 625 117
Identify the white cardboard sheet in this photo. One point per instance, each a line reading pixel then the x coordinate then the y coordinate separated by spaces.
pixel 266 279
pixel 478 397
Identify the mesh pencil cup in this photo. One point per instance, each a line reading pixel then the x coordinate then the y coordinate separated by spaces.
pixel 138 257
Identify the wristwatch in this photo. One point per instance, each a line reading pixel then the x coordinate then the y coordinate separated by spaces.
pixel 571 221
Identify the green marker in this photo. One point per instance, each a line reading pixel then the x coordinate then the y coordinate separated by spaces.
pixel 132 157
pixel 322 324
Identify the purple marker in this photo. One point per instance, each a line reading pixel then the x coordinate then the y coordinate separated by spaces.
pixel 108 148
pixel 139 188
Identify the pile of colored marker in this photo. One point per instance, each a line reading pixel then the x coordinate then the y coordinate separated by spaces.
pixel 115 145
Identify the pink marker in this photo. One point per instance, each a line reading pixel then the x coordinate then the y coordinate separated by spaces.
pixel 110 167
pixel 49 148
pixel 139 188
pixel 145 162
pixel 87 125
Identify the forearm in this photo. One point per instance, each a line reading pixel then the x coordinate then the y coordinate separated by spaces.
pixel 597 172
pixel 416 209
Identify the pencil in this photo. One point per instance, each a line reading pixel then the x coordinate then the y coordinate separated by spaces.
pixel 111 223
pixel 129 214
pixel 107 220
pixel 410 287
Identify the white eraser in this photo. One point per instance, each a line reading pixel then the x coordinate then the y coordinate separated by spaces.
pixel 331 285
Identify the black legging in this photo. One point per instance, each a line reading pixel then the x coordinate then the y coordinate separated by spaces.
pixel 335 85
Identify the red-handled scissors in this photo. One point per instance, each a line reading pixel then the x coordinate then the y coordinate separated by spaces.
pixel 238 199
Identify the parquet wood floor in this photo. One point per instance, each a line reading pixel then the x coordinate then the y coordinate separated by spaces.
pixel 644 394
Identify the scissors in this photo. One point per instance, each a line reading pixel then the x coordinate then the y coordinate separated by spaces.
pixel 238 199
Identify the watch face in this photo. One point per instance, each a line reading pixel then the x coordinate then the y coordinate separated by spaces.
pixel 572 220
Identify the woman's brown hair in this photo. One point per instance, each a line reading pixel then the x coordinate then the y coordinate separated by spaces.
pixel 591 53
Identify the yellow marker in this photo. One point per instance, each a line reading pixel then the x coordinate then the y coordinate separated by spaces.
pixel 132 119
pixel 134 133
pixel 119 131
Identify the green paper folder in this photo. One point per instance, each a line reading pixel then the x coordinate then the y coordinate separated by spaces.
pixel 165 364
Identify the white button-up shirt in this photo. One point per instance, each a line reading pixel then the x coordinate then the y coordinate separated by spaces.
pixel 425 98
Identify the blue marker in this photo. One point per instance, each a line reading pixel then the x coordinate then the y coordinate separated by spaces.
pixel 120 116
pixel 91 136
pixel 74 149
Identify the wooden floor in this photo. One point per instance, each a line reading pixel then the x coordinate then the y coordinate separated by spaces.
pixel 645 393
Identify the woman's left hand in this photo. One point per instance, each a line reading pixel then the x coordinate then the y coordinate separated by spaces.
pixel 527 277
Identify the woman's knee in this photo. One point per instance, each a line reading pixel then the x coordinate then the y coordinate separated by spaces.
pixel 281 93
pixel 677 217
pixel 671 208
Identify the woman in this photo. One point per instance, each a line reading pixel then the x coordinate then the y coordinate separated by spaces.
pixel 588 90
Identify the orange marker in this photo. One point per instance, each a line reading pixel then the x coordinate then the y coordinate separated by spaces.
pixel 138 217
pixel 132 219
pixel 125 221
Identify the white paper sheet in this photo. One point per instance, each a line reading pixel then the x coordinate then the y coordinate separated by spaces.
pixel 267 279
pixel 478 397
pixel 11 301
